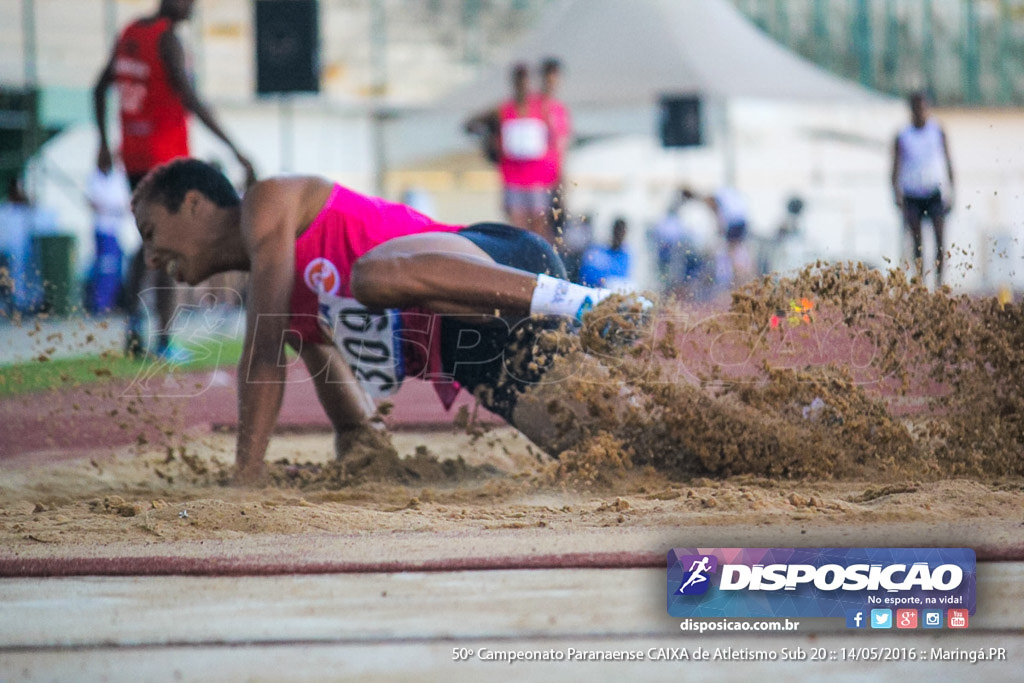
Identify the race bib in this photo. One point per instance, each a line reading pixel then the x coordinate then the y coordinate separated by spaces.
pixel 524 139
pixel 368 340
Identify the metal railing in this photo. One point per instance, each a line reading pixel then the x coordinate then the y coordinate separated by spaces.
pixel 963 52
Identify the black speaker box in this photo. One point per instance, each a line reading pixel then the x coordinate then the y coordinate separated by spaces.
pixel 681 121
pixel 287 46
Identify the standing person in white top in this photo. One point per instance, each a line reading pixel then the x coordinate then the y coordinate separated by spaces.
pixel 730 211
pixel 110 199
pixel 922 179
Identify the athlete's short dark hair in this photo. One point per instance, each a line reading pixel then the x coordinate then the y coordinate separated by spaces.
pixel 520 72
pixel 919 96
pixel 550 65
pixel 167 185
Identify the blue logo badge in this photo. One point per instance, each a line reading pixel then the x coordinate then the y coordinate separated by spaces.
pixel 881 618
pixel 931 618
pixel 697 570
pixel 856 618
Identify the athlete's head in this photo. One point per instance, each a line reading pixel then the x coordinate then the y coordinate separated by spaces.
pixel 520 80
pixel 918 108
pixel 550 72
pixel 181 209
pixel 619 229
pixel 176 10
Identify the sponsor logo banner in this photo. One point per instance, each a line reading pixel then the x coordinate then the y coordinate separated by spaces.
pixel 820 582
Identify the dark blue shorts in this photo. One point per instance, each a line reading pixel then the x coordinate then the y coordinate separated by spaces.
pixel 736 232
pixel 479 355
pixel 916 208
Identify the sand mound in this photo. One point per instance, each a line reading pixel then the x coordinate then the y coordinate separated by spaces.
pixel 838 372
pixel 841 394
pixel 144 497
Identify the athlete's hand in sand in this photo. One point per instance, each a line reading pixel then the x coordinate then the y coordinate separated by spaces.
pixel 358 446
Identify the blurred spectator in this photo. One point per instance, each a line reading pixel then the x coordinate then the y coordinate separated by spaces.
pixel 20 285
pixel 576 239
pixel 110 199
pixel 556 114
pixel 922 179
pixel 156 95
pixel 792 222
pixel 609 266
pixel 735 264
pixel 788 249
pixel 524 142
pixel 679 259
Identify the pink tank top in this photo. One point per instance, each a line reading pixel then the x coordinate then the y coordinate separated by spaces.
pixel 525 144
pixel 382 347
pixel 560 129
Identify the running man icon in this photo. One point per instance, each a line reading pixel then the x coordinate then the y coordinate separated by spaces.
pixel 698 571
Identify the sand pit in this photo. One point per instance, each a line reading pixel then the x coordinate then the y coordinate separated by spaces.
pixel 451 484
pixel 842 397
pixel 734 433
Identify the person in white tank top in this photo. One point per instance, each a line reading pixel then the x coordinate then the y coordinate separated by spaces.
pixel 922 179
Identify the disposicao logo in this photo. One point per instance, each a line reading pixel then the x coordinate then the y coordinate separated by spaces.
pixel 818 582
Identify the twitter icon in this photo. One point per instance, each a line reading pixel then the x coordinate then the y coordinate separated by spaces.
pixel 881 618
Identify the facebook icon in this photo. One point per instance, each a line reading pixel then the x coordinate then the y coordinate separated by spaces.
pixel 855 618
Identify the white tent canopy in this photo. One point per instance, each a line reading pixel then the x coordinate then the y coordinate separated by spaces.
pixel 619 57
pixel 618 53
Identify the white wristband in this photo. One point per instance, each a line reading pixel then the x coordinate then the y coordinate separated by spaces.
pixel 552 296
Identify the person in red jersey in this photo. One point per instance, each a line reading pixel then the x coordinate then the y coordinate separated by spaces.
pixel 155 97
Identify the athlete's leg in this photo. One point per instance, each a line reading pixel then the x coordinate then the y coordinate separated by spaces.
pixel 520 218
pixel 939 225
pixel 518 209
pixel 912 216
pixel 446 273
pixel 539 202
pixel 443 272
pixel 133 305
pixel 577 397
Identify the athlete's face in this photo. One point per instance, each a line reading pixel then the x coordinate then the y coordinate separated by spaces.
pixel 551 80
pixel 176 241
pixel 918 112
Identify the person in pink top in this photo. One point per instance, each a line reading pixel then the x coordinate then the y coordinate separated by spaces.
pixel 524 155
pixel 368 292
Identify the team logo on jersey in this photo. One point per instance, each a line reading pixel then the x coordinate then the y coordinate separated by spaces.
pixel 322 277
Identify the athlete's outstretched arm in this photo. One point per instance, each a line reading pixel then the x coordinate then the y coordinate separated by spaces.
pixel 267 222
pixel 173 57
pixel 104 160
